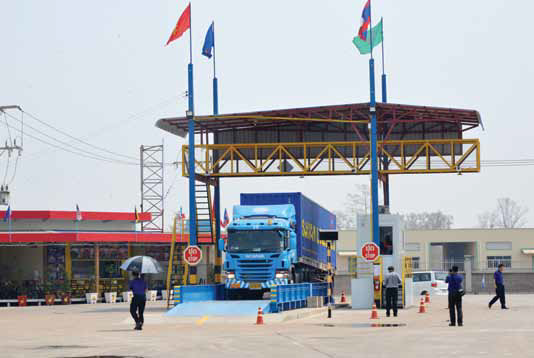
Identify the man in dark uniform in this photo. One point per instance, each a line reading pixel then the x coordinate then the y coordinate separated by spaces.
pixel 137 306
pixel 455 297
pixel 499 288
pixel 392 281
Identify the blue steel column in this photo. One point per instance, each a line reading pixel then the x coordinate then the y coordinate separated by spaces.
pixel 384 90
pixel 217 194
pixel 374 163
pixel 218 256
pixel 192 194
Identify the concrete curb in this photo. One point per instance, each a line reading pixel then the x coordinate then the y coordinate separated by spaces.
pixel 295 314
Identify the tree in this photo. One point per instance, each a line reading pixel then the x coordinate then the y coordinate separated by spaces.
pixel 427 221
pixel 356 203
pixel 507 215
pixel 488 220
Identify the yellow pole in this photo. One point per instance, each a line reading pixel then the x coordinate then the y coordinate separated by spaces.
pixel 169 266
pixel 186 266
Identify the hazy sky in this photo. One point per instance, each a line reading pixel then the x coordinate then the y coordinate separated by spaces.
pixel 99 70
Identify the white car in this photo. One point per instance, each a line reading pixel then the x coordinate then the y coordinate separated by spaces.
pixel 432 282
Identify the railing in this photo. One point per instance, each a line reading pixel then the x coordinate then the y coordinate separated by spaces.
pixel 478 266
pixel 195 293
pixel 335 158
pixel 294 296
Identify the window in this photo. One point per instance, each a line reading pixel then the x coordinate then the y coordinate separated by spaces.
pixel 503 245
pixel 386 240
pixel 415 263
pixel 495 261
pixel 413 247
pixel 422 277
pixel 440 276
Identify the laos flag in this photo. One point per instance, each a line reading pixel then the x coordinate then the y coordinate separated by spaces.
pixel 366 21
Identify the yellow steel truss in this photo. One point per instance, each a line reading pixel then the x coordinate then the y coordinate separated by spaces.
pixel 334 158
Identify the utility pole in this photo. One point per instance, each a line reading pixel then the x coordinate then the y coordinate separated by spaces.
pixel 9 146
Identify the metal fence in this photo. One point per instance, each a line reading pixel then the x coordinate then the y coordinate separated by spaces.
pixel 293 296
pixel 489 265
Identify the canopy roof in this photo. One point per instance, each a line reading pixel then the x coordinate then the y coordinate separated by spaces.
pixel 336 117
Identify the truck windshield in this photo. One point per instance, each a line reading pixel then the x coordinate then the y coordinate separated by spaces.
pixel 255 241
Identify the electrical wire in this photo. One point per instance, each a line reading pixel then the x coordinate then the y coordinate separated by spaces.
pixel 7 168
pixel 137 116
pixel 8 131
pixel 68 145
pixel 15 171
pixel 131 118
pixel 82 154
pixel 77 139
pixel 175 175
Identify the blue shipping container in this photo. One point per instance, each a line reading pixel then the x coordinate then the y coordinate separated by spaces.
pixel 311 218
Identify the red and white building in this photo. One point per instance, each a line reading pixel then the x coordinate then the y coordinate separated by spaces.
pixel 54 247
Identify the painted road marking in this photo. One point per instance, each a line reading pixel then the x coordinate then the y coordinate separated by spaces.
pixel 201 321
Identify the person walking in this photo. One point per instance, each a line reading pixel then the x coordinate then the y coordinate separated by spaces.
pixel 455 297
pixel 499 288
pixel 137 306
pixel 392 281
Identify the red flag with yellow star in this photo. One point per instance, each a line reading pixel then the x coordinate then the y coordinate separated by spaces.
pixel 183 24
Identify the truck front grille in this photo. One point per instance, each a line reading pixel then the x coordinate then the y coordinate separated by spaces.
pixel 255 270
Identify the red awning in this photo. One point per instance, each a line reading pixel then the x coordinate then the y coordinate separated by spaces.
pixel 71 215
pixel 96 237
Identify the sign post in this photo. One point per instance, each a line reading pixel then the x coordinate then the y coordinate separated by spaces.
pixel 370 251
pixel 193 255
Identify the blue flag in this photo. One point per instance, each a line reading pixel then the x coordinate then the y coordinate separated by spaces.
pixel 7 215
pixel 209 41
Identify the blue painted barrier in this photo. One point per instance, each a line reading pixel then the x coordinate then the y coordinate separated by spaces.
pixel 293 296
pixel 183 294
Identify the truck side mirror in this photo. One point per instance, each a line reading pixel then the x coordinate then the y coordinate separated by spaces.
pixel 221 244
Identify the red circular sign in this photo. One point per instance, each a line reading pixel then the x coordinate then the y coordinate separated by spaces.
pixel 370 251
pixel 193 255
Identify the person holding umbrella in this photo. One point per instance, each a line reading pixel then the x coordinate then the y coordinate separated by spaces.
pixel 137 306
pixel 139 265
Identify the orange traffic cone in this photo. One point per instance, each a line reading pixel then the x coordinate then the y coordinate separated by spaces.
pixel 343 298
pixel 374 313
pixel 427 297
pixel 422 306
pixel 259 319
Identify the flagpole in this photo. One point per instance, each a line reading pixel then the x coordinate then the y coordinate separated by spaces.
pixel 217 189
pixel 384 90
pixel 371 28
pixel 385 163
pixel 191 128
pixel 375 227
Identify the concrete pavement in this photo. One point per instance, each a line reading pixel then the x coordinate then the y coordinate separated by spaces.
pixel 91 330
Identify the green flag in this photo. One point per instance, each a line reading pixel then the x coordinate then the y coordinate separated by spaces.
pixel 364 46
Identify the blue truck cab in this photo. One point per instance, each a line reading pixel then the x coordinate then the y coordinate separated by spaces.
pixel 273 239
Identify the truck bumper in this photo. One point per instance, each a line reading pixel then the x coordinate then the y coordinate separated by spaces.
pixel 237 284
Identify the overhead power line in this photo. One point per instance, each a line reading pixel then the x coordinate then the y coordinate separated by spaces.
pixel 78 139
pixel 77 152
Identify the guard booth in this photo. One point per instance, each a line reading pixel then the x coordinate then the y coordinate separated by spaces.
pixel 391 254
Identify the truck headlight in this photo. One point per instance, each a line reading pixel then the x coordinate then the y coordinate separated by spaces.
pixel 281 274
pixel 230 275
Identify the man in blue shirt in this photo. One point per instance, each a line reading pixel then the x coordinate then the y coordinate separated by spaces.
pixel 499 288
pixel 455 297
pixel 137 306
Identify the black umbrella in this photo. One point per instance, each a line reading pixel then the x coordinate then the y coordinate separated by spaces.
pixel 142 264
